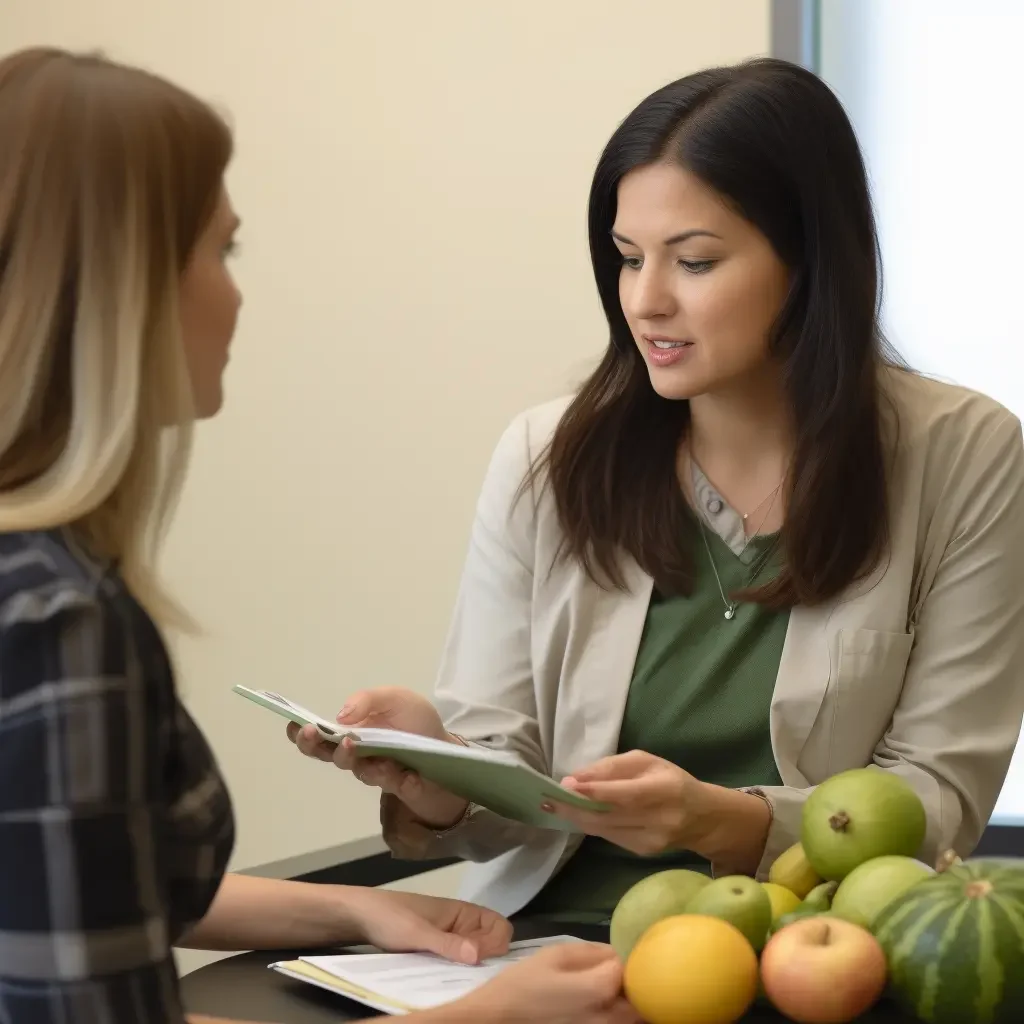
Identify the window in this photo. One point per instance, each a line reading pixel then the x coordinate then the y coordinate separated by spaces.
pixel 935 93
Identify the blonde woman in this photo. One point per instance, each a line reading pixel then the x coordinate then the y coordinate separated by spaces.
pixel 117 310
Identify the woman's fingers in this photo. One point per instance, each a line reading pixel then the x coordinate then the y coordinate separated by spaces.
pixel 310 743
pixel 597 822
pixel 617 766
pixel 377 772
pixel 384 706
pixel 381 772
pixel 367 707
pixel 390 777
pixel 620 793
pixel 636 831
pixel 621 1012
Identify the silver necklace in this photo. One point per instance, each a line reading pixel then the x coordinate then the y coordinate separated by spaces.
pixel 748 537
pixel 746 515
pixel 773 494
pixel 730 606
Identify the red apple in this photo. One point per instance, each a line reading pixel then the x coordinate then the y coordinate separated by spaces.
pixel 823 970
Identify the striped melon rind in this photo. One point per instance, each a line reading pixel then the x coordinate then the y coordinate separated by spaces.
pixel 955 944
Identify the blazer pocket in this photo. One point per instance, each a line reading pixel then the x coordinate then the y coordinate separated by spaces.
pixel 872 666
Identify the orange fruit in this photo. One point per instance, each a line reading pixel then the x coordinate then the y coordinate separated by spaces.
pixel 691 969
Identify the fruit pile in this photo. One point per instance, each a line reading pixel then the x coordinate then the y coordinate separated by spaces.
pixel 848 915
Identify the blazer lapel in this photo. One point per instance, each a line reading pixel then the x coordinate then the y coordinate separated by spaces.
pixel 607 626
pixel 804 674
pixel 809 659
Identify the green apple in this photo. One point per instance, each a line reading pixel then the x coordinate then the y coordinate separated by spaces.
pixel 739 900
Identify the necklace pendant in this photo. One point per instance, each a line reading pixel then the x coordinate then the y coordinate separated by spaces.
pixel 730 612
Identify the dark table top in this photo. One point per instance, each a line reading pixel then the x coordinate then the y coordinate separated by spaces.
pixel 244 988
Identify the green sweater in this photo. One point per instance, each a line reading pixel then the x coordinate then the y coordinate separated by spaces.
pixel 700 696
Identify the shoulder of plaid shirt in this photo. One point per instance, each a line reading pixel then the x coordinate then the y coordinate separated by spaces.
pixel 115 825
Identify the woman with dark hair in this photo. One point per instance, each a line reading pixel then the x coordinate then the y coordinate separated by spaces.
pixel 751 552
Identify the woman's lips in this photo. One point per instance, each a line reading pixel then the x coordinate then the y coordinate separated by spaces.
pixel 663 351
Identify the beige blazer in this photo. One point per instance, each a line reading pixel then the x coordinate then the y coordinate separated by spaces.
pixel 918 670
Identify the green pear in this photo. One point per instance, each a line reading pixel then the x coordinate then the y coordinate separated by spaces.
pixel 663 894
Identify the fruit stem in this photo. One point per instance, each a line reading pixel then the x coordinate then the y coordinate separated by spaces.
pixel 839 821
pixel 978 889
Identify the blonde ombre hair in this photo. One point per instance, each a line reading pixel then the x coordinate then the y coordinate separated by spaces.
pixel 108 177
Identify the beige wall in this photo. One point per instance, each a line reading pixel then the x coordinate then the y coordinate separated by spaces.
pixel 413 180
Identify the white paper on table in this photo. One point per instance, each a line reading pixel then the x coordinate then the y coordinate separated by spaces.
pixel 422 981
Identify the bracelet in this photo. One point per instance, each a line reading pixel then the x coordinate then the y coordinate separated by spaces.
pixel 760 795
pixel 464 817
pixel 457 824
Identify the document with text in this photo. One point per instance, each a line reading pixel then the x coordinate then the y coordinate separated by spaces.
pixel 399 983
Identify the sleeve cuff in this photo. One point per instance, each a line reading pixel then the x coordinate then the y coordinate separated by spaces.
pixel 720 870
pixel 786 806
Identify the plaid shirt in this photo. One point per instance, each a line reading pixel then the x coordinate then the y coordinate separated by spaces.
pixel 115 826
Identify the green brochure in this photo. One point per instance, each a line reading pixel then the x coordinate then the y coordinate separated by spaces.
pixel 489 778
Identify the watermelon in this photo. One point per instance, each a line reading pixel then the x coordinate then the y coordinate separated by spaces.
pixel 955 943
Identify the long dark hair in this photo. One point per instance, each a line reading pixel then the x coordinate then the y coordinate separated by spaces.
pixel 773 140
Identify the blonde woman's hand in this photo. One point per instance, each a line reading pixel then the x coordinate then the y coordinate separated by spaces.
pixel 388 707
pixel 400 922
pixel 574 983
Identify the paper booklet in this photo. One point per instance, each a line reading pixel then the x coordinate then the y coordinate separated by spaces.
pixel 489 778
pixel 400 983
